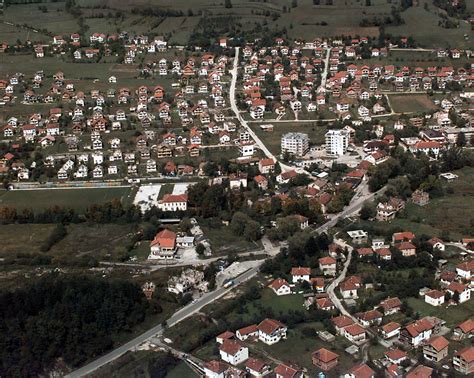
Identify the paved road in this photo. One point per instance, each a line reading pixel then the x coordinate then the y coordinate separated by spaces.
pixel 324 76
pixel 244 123
pixel 177 317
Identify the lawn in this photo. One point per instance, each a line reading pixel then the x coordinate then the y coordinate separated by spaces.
pixel 411 103
pixel 78 199
pixel 273 139
pixel 452 315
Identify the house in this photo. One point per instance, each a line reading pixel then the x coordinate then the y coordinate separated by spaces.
pixel 420 197
pixel 327 265
pixel 457 289
pixel 227 335
pixel 355 334
pixel 399 237
pixel 173 202
pixel 396 356
pixel 465 270
pixel 215 369
pixel 464 330
pixel 437 243
pixel 388 210
pixel 280 287
pixel 420 371
pixel 417 332
pixel 257 368
pixel 407 249
pixel 233 352
pixel 341 322
pixel 436 349
pixel 285 177
pixel 247 332
pixel 266 166
pixel 324 359
pixel 348 290
pixel 360 371
pixel 369 318
pixel 300 274
pixel 261 182
pixel 271 331
pixel 463 361
pixel 434 297
pixel 163 246
pixel 325 304
pixel 358 236
pixel 390 330
pixel 390 306
pixel 286 371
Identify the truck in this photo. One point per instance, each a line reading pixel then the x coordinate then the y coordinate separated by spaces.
pixel 228 284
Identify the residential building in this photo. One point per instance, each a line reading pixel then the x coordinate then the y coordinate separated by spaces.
pixel 280 287
pixel 163 246
pixel 295 143
pixel 337 142
pixel 233 352
pixel 463 361
pixel 271 331
pixel 436 349
pixel 324 359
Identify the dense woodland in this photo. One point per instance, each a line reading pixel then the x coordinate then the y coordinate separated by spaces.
pixel 72 319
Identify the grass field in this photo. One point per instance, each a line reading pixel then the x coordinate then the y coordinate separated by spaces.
pixel 418 21
pixel 450 213
pixel 101 241
pixel 273 139
pixel 224 241
pixel 23 238
pixel 411 103
pixel 452 315
pixel 78 199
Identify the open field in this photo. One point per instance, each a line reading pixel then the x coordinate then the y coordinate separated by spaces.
pixel 78 199
pixel 273 139
pixel 101 241
pixel 451 213
pixel 23 238
pixel 411 103
pixel 224 241
pixel 418 21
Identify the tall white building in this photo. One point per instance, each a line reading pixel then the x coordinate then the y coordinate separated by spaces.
pixel 337 142
pixel 295 143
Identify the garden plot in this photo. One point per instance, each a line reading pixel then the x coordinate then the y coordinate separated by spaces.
pixel 147 197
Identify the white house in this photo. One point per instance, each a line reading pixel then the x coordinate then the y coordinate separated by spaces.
pixel 280 287
pixel 434 297
pixel 271 331
pixel 300 274
pixel 233 352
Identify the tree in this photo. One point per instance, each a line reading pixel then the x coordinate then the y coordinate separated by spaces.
pixel 368 211
pixel 461 140
pixel 200 249
pixel 228 4
pixel 456 297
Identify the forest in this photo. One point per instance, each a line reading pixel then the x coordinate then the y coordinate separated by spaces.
pixel 65 318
